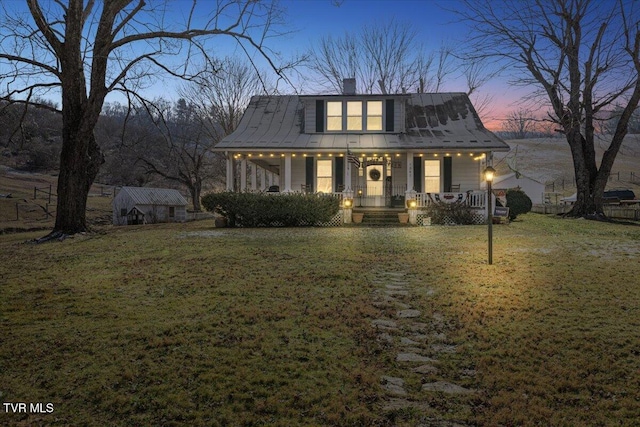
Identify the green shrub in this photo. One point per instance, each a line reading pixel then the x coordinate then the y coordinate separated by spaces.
pixel 269 210
pixel 450 213
pixel 518 203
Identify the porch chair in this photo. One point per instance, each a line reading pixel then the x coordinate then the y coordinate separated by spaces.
pixel 455 188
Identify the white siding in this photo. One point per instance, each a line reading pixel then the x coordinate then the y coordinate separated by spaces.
pixel 466 172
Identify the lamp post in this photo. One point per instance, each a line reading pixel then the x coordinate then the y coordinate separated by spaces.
pixel 489 173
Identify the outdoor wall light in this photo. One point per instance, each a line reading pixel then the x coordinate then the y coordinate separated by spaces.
pixel 489 174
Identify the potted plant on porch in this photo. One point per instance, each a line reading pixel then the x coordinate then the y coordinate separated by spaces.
pixel 356 217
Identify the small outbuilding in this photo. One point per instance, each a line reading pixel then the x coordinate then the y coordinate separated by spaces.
pixel 139 205
pixel 531 187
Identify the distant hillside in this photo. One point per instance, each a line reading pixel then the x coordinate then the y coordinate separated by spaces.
pixel 549 159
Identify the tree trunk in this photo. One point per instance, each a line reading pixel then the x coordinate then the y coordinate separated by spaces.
pixel 196 190
pixel 80 161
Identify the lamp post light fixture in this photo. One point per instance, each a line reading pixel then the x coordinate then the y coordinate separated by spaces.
pixel 360 197
pixel 348 203
pixel 489 174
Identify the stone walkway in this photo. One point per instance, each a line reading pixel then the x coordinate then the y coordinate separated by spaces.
pixel 416 339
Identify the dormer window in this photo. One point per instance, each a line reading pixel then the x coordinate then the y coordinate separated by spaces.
pixel 334 115
pixel 353 116
pixel 374 115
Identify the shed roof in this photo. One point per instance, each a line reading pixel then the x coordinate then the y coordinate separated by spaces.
pixel 155 196
pixel 434 121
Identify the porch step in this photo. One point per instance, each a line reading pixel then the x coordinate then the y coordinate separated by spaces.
pixel 381 217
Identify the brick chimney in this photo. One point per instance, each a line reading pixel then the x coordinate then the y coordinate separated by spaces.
pixel 349 86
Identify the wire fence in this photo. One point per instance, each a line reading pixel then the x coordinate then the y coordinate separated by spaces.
pixel 563 183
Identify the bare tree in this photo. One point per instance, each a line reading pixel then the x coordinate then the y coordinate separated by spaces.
pixel 178 147
pixel 191 129
pixel 582 56
pixel 384 58
pixel 82 51
pixel 221 97
pixel 519 123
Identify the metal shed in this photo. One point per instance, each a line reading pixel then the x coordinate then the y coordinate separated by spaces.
pixel 140 205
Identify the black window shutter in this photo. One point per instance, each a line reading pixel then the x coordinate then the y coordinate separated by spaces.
pixel 447 174
pixel 308 169
pixel 339 174
pixel 417 174
pixel 319 115
pixel 389 115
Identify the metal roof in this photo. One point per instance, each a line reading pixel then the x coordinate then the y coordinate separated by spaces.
pixel 155 196
pixel 433 121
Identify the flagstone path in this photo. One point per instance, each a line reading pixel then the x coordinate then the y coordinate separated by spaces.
pixel 409 333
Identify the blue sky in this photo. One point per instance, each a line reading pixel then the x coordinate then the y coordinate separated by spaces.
pixel 433 21
pixel 310 20
pixel 316 18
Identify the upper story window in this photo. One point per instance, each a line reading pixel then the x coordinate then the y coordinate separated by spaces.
pixel 354 116
pixel 374 115
pixel 334 115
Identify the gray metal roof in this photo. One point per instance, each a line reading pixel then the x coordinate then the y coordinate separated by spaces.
pixel 433 121
pixel 155 196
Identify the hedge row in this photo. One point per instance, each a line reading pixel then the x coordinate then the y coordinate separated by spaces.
pixel 259 209
pixel 444 213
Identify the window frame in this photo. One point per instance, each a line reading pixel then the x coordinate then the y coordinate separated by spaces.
pixel 364 116
pixel 323 178
pixel 425 176
pixel 330 116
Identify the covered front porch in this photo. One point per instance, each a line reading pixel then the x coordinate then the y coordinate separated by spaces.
pixel 370 179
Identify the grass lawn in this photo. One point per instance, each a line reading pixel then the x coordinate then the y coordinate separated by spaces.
pixel 191 325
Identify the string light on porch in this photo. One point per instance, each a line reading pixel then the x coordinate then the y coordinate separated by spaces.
pixel 489 174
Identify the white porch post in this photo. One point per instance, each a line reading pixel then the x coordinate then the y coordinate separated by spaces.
pixel 254 177
pixel 270 178
pixel 243 174
pixel 347 175
pixel 409 171
pixel 230 172
pixel 263 179
pixel 287 173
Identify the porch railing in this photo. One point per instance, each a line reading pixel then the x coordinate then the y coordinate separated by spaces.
pixel 474 199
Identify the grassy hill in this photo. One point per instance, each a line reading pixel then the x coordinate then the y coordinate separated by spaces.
pixel 549 160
